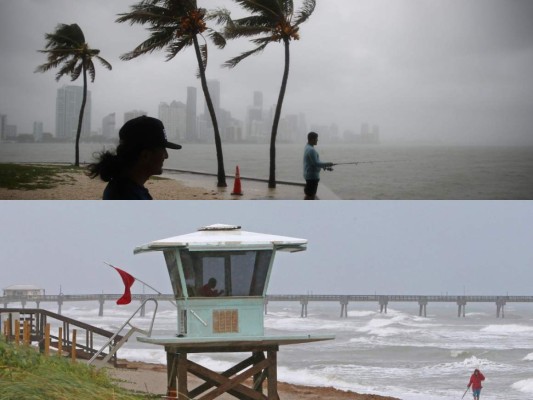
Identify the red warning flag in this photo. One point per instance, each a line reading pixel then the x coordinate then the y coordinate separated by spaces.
pixel 128 281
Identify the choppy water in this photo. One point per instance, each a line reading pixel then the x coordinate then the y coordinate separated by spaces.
pixel 414 172
pixel 397 354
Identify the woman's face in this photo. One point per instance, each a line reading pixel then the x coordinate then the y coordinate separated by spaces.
pixel 154 160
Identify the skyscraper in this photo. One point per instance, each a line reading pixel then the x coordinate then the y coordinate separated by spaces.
pixel 109 126
pixel 38 130
pixel 173 117
pixel 68 105
pixel 255 126
pixel 214 91
pixel 3 122
pixel 128 115
pixel 190 119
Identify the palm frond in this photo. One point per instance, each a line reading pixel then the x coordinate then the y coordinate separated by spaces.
pixel 262 7
pixel 176 46
pixel 218 39
pixel 68 68
pixel 304 12
pixel 249 26
pixel 159 39
pixel 203 51
pixel 234 61
pixel 149 14
pixel 104 62
pixel 89 66
pixel 288 8
pixel 69 36
pixel 221 16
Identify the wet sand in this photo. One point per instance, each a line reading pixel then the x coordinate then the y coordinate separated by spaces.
pixel 172 185
pixel 151 378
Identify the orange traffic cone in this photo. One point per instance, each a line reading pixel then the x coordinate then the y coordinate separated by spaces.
pixel 237 185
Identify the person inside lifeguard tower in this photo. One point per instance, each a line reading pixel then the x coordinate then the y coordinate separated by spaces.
pixel 208 290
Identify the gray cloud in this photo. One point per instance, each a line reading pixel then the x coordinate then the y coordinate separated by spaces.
pixel 355 247
pixel 455 70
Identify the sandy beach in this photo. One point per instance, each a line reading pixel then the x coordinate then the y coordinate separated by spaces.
pixel 151 378
pixel 172 185
pixel 77 186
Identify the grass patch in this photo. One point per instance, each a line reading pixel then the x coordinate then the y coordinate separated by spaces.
pixel 32 176
pixel 27 375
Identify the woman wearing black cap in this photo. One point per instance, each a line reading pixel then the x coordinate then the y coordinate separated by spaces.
pixel 140 154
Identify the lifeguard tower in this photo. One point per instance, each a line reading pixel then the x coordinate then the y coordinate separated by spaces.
pixel 220 276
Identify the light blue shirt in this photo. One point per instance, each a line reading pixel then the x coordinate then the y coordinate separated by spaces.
pixel 312 163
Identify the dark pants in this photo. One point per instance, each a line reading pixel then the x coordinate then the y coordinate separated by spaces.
pixel 311 186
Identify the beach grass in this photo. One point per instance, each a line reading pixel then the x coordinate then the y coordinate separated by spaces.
pixel 33 176
pixel 26 374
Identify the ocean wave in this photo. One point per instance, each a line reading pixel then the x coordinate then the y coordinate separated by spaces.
pixel 529 357
pixel 508 329
pixel 524 386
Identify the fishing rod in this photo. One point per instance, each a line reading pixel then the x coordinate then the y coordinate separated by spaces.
pixel 360 162
pixel 465 392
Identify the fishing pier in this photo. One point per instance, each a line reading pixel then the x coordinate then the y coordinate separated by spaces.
pixel 384 300
pixel 304 299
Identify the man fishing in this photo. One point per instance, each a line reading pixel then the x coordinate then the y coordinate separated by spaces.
pixel 475 381
pixel 312 167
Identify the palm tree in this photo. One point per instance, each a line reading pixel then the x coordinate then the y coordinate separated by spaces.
pixel 175 25
pixel 270 21
pixel 66 48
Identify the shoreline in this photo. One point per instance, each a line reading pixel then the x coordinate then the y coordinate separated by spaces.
pixel 171 185
pixel 151 378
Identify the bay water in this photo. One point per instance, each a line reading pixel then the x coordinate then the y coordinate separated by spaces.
pixel 397 172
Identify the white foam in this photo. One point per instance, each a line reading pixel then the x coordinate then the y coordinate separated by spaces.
pixel 508 329
pixel 524 386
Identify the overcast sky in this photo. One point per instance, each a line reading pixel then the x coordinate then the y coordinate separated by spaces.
pixel 386 247
pixel 453 70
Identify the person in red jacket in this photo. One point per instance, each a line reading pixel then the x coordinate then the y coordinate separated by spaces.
pixel 475 382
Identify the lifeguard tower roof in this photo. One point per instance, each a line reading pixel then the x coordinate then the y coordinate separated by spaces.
pixel 225 237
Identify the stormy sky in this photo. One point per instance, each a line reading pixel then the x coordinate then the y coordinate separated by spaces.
pixel 354 247
pixel 454 71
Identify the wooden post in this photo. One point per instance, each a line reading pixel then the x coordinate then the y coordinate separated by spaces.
pixel 73 344
pixel 60 342
pixel 183 391
pixel 47 340
pixel 171 375
pixel 272 357
pixel 17 331
pixel 26 333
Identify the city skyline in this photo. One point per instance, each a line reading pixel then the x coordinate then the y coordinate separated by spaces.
pixel 177 116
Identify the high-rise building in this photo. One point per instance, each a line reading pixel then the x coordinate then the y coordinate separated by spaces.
pixel 258 99
pixel 255 126
pixel 214 90
pixel 11 132
pixel 109 126
pixel 38 131
pixel 3 122
pixel 174 117
pixel 68 105
pixel 129 115
pixel 191 133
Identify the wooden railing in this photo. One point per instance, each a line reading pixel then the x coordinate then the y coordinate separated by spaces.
pixel 75 335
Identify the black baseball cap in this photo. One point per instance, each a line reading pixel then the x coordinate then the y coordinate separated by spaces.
pixel 146 132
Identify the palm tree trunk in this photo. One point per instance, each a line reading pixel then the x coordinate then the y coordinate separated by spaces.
pixel 80 119
pixel 221 174
pixel 277 115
